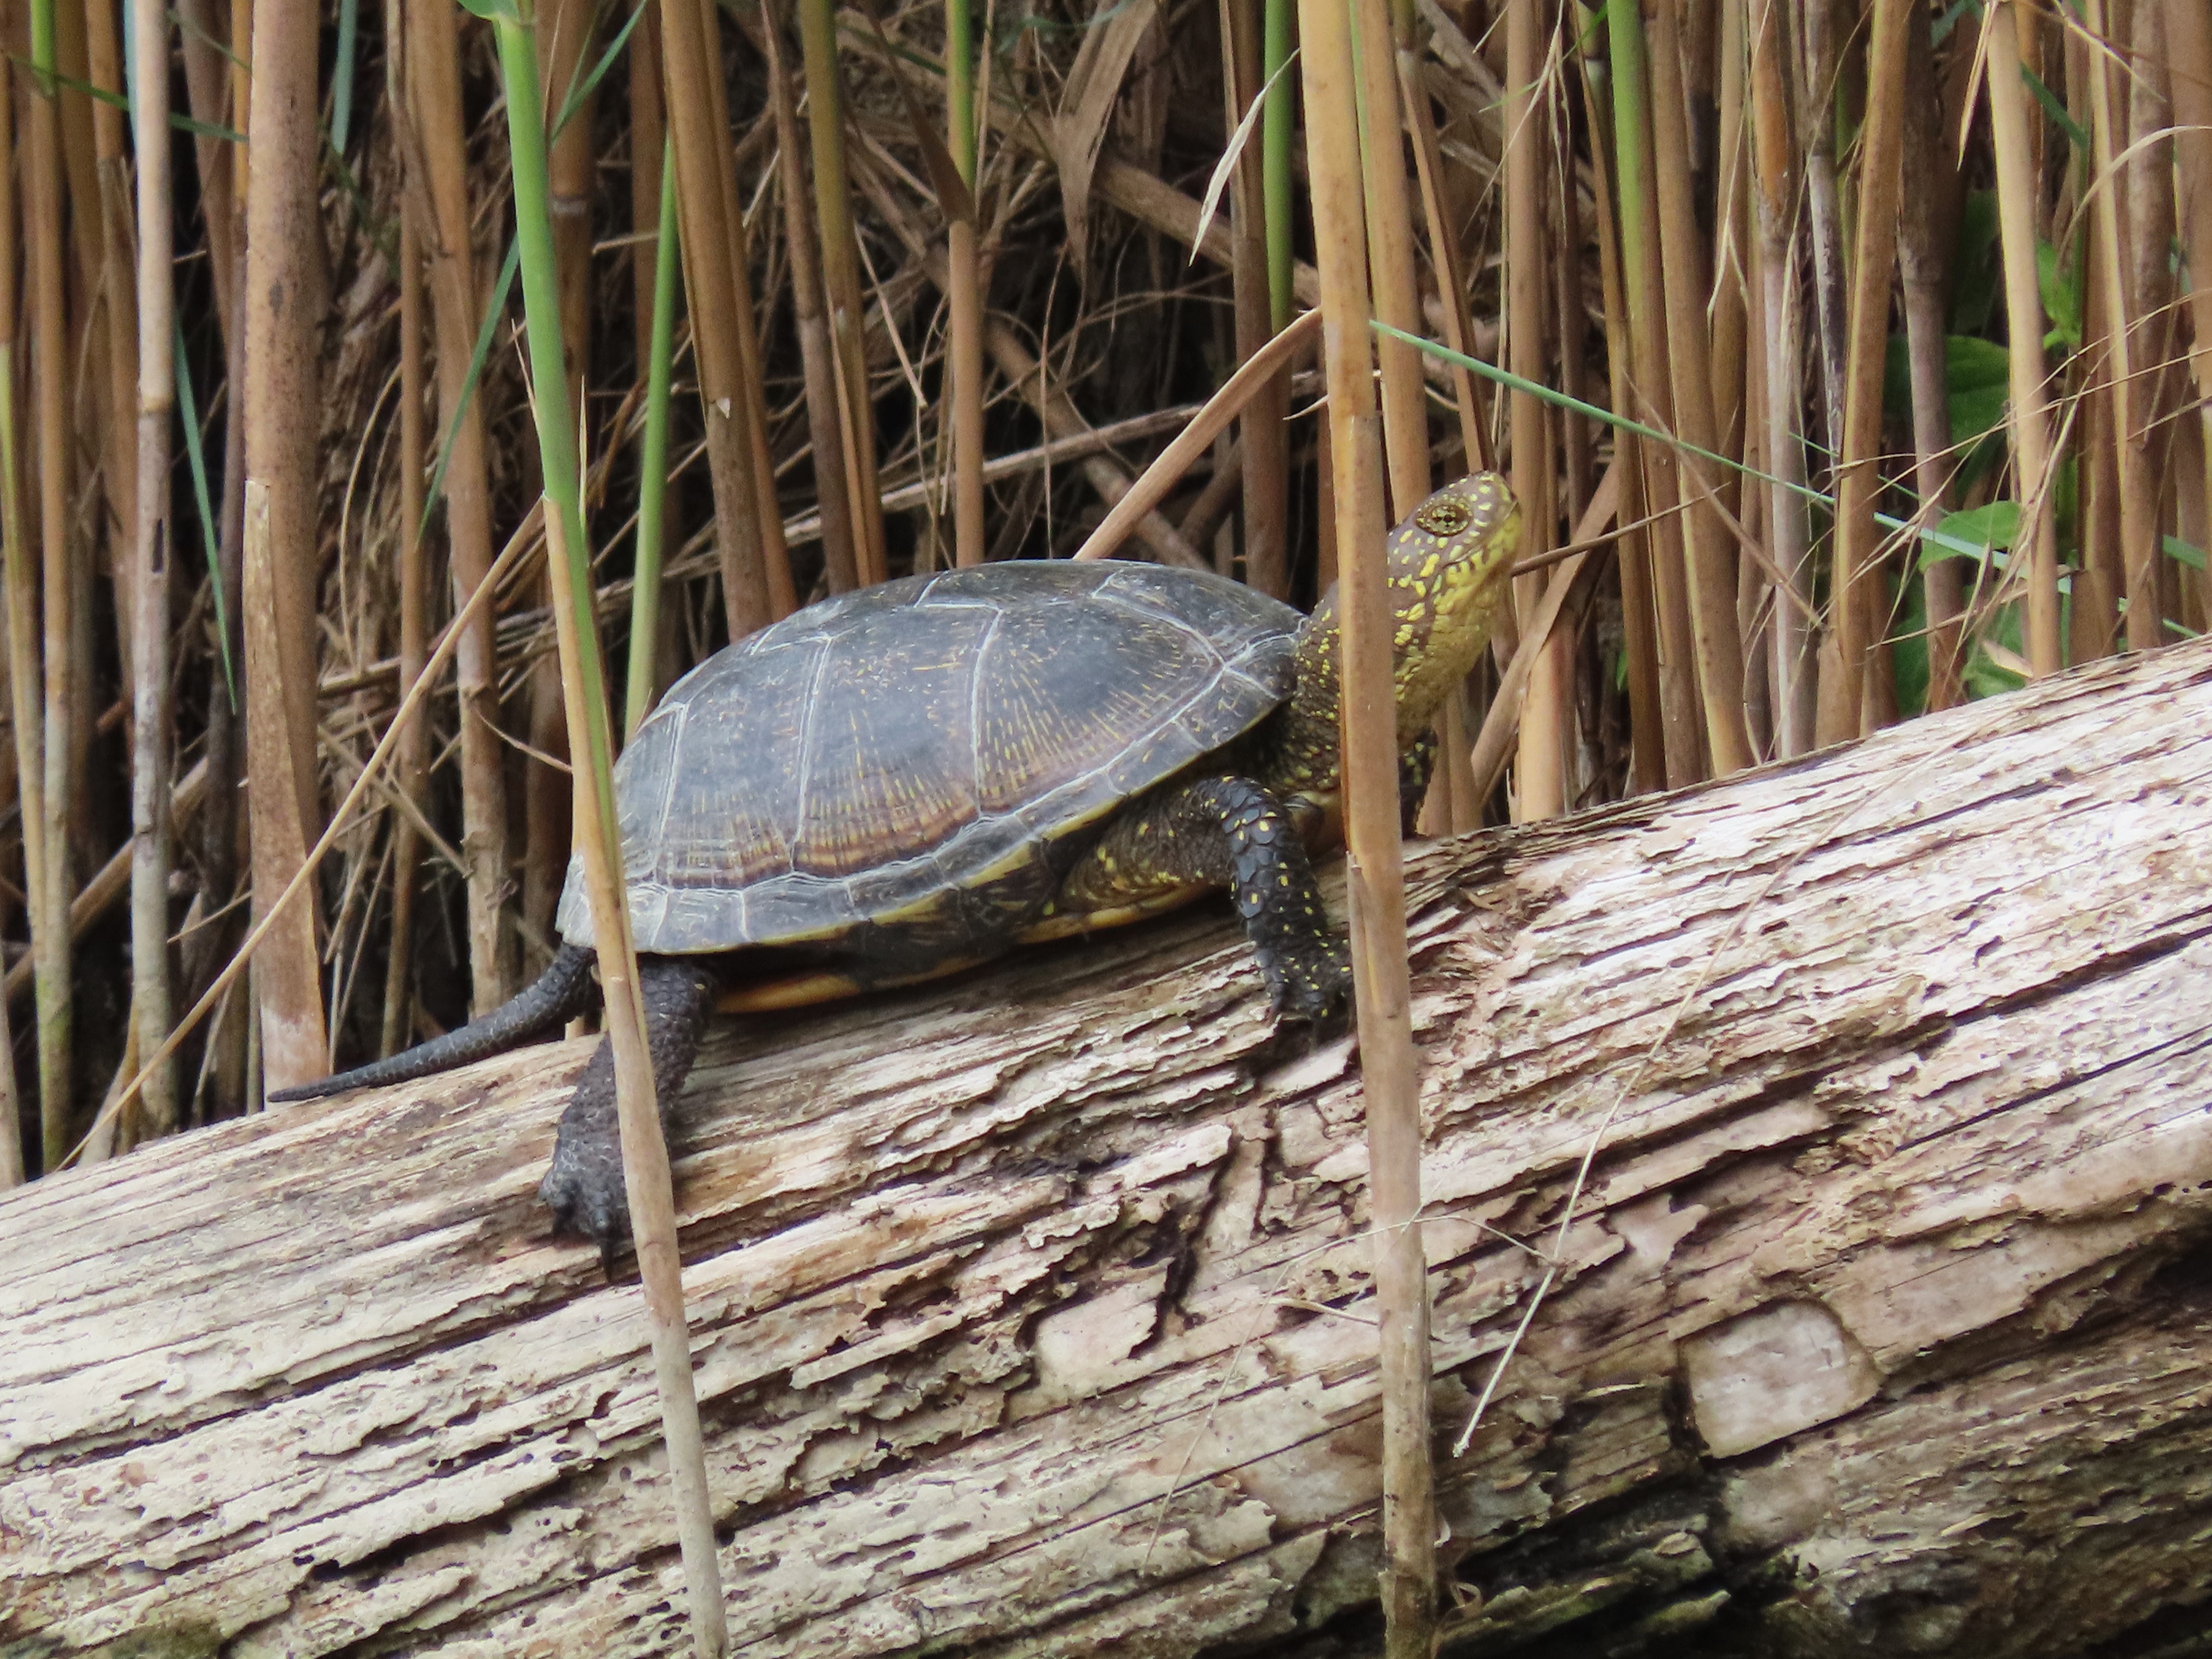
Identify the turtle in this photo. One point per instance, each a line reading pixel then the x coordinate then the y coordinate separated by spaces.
pixel 909 779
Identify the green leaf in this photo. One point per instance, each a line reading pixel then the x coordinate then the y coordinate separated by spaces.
pixel 2177 549
pixel 1971 534
pixel 1978 373
pixel 1908 651
pixel 342 76
pixel 2060 292
pixel 1983 677
pixel 118 100
pixel 1976 279
pixel 2056 110
pixel 1978 376
pixel 188 411
pixel 494 11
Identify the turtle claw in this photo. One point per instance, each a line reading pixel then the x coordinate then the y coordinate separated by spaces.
pixel 584 1190
pixel 1313 988
pixel 584 1186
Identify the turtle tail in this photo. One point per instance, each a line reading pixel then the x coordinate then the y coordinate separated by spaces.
pixel 561 992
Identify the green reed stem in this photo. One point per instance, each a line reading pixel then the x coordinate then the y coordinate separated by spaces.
pixel 653 465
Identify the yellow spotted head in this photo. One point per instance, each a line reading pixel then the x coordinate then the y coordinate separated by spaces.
pixel 1450 567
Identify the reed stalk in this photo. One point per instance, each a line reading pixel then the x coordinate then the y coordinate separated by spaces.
pixel 1729 302
pixel 2137 502
pixel 151 854
pixel 648 139
pixel 50 933
pixel 1922 266
pixel 114 326
pixel 1390 255
pixel 1263 437
pixel 1243 389
pixel 1639 616
pixel 963 360
pixel 1546 713
pixel 1452 296
pixel 412 765
pixel 2189 64
pixel 572 176
pixel 22 594
pixel 818 352
pixel 1860 602
pixel 283 419
pixel 840 277
pixel 435 145
pixel 91 390
pixel 769 561
pixel 2032 470
pixel 705 190
pixel 1389 1080
pixel 645 1156
pixel 2152 291
pixel 1824 214
pixel 644 687
pixel 1644 293
pixel 207 85
pixel 1710 553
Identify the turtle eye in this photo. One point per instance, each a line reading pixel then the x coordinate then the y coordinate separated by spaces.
pixel 1445 517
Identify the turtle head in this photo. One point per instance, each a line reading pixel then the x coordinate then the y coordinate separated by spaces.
pixel 1449 568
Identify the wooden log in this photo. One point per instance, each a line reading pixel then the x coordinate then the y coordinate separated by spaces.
pixel 1031 1310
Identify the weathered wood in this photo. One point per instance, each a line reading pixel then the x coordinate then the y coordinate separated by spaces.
pixel 1030 1310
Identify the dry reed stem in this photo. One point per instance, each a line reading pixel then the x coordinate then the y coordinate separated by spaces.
pixel 1859 605
pixel 1708 561
pixel 21 599
pixel 283 409
pixel 2189 61
pixel 413 762
pixel 1262 437
pixel 1264 368
pixel 2033 458
pixel 1389 1083
pixel 1648 386
pixel 1390 259
pixel 705 194
pixel 2110 235
pixel 1062 420
pixel 1923 266
pixel 152 855
pixel 50 935
pixel 964 361
pixel 1541 786
pixel 1639 616
pixel 841 277
pixel 434 147
pixel 1494 745
pixel 817 352
pixel 647 1185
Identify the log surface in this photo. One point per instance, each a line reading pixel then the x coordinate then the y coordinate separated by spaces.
pixel 1031 1311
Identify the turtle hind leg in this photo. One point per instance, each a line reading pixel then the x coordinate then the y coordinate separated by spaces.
pixel 1225 832
pixel 584 1186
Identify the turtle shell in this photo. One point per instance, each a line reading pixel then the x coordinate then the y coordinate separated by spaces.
pixel 909 769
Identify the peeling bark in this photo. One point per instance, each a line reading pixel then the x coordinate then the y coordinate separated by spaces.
pixel 1031 1310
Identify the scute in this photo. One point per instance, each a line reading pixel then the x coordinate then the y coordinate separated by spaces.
pixel 900 761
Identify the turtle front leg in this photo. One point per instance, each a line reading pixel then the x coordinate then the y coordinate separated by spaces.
pixel 584 1188
pixel 1223 832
